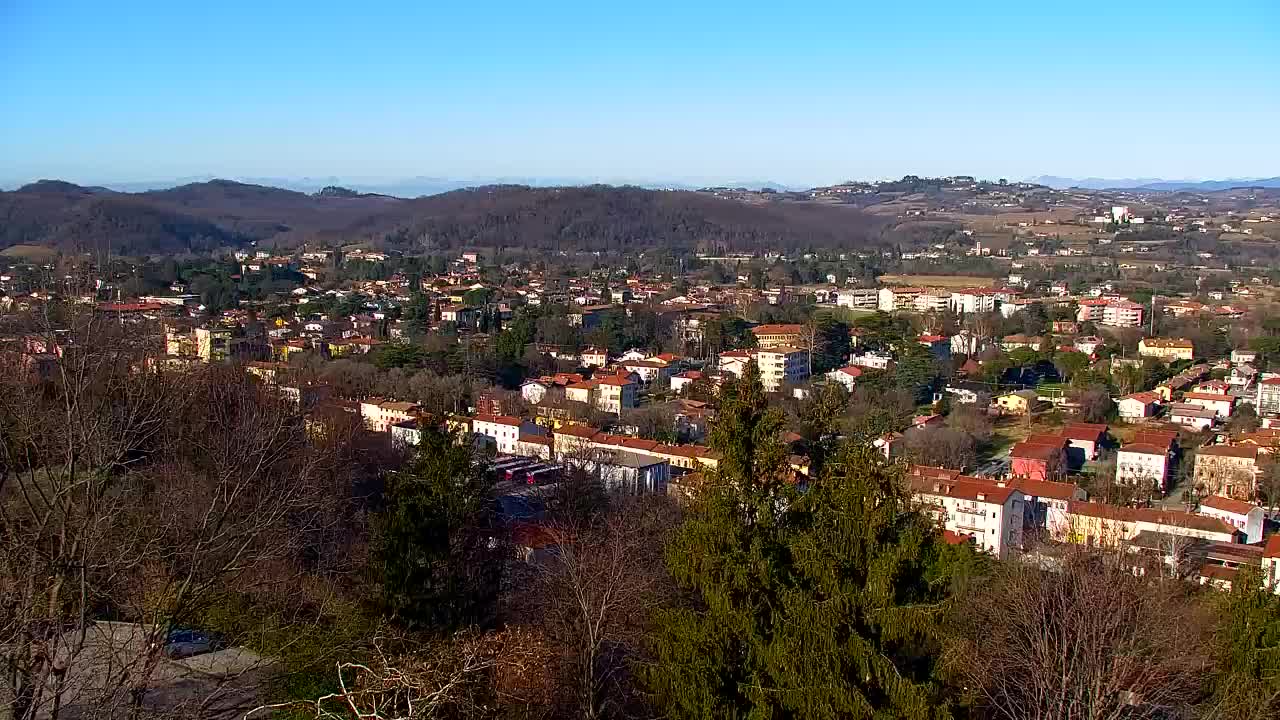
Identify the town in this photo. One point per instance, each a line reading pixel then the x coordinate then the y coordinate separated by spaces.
pixel 1044 372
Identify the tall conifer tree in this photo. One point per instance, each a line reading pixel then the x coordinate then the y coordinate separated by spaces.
pixel 813 604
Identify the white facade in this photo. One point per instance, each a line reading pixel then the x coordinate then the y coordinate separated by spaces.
pixel 1243 516
pixel 379 416
pixel 503 430
pixel 973 301
pixel 533 391
pixel 1122 314
pixel 992 516
pixel 781 365
pixel 859 298
pixel 1267 401
pixel 615 395
pixel 1142 467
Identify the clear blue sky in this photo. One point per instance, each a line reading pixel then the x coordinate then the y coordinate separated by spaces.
pixel 794 92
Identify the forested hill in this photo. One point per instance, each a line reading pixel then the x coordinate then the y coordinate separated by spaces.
pixel 220 213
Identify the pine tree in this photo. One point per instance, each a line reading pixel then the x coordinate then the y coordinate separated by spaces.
pixel 438 547
pixel 812 605
pixel 1247 686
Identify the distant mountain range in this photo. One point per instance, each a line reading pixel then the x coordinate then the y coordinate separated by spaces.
pixel 203 216
pixel 1153 184
pixel 421 186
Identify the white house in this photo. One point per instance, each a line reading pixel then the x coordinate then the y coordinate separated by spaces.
pixel 1267 401
pixel 1192 416
pixel 972 301
pixel 990 514
pixel 1245 517
pixel 1271 563
pixel 1138 406
pixel 1244 356
pixel 680 381
pixel 534 391
pixel 1221 405
pixel 380 415
pixel 594 357
pixel 846 376
pixel 503 430
pixel 1143 464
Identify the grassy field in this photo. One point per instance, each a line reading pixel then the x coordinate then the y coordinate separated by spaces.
pixel 951 281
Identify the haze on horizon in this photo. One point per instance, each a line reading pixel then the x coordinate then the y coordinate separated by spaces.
pixel 147 90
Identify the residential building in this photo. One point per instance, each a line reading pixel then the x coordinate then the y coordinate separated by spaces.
pixel 1166 349
pixel 1228 470
pixel 650 369
pixel 379 415
pixel 775 336
pixel 1143 465
pixel 680 381
pixel 972 301
pixel 1103 525
pixel 213 344
pixel 1039 458
pixel 1084 440
pixel 969 393
pixel 1121 313
pixel 503 431
pixel 1020 402
pixel 1241 356
pixel 1138 406
pixel 1267 401
pixel 405 433
pixel 781 365
pixel 1271 563
pixel 967 343
pixel 1245 517
pixel 1192 416
pixel 616 394
pixel 931 301
pixel 992 516
pixel 630 473
pixel 872 360
pixel 777 366
pixel 594 357
pixel 846 376
pixel 892 299
pixel 1221 405
pixel 533 391
pixel 859 298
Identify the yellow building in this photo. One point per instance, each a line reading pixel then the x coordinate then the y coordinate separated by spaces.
pixel 213 344
pixel 1017 403
pixel 1166 349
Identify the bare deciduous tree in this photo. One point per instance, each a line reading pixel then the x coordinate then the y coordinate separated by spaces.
pixel 595 596
pixel 1087 640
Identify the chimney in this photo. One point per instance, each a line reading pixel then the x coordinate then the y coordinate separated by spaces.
pixel 982 497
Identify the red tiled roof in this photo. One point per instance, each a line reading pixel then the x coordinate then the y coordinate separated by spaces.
pixel 498 419
pixel 1272 548
pixel 1145 448
pixel 1226 504
pixel 1237 451
pixel 1034 452
pixel 778 329
pixel 1208 396
pixel 580 431
pixel 964 488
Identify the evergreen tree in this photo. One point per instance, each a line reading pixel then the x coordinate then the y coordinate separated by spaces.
pixel 438 547
pixel 812 605
pixel 1247 686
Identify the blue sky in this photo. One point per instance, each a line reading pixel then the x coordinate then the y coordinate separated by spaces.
pixel 793 92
